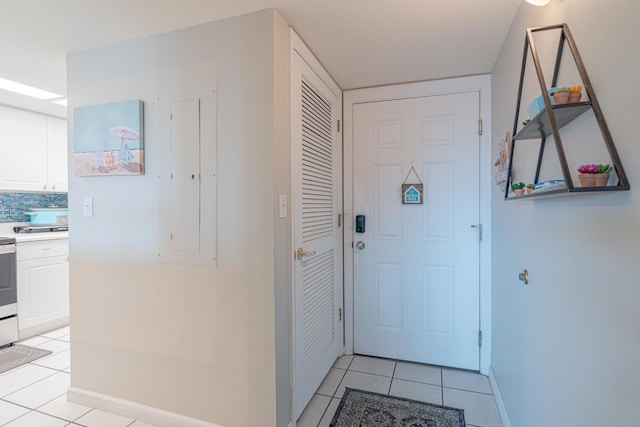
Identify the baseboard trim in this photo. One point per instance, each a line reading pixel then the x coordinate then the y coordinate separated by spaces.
pixel 502 410
pixel 48 326
pixel 126 408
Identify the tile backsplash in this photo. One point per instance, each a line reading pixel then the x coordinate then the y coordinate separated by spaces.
pixel 14 205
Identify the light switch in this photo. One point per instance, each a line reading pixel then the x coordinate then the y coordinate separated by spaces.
pixel 283 206
pixel 88 206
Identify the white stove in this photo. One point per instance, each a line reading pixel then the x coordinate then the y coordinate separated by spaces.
pixel 8 291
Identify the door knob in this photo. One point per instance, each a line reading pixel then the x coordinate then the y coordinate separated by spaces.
pixel 360 245
pixel 301 254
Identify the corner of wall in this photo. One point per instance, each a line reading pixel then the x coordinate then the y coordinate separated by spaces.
pixel 282 226
pixel 502 410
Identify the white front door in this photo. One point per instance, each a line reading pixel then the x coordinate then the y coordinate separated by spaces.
pixel 416 266
pixel 316 106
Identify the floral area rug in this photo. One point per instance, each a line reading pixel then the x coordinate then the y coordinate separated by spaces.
pixel 366 409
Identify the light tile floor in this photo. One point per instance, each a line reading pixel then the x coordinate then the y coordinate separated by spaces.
pixel 34 395
pixel 460 389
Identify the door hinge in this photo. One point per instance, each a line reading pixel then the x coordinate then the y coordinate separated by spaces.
pixel 340 314
pixel 480 127
pixel 338 125
pixel 170 116
pixel 339 220
pixel 479 227
pixel 479 338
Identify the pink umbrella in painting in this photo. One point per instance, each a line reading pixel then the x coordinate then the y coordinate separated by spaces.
pixel 124 133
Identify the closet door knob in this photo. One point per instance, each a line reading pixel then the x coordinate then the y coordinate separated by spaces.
pixel 300 253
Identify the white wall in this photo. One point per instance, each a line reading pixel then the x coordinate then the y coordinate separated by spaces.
pixel 283 239
pixel 565 347
pixel 197 341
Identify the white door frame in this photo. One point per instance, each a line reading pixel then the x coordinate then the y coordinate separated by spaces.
pixel 481 84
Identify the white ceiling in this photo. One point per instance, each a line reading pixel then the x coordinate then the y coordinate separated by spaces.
pixel 360 42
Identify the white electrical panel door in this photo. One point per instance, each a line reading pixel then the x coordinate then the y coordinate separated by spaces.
pixel 187 177
pixel 184 183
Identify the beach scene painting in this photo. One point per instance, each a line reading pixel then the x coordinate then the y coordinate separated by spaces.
pixel 108 139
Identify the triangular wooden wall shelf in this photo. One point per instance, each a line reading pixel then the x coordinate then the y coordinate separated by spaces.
pixel 552 118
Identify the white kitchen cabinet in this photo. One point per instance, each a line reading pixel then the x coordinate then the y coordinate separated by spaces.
pixel 43 286
pixel 33 151
pixel 23 150
pixel 57 167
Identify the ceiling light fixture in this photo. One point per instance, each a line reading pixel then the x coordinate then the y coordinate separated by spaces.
pixel 27 90
pixel 538 2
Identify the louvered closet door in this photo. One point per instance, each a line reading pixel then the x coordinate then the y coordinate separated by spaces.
pixel 317 239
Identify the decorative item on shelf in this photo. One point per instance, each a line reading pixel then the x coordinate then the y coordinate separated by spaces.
pixel 550 185
pixel 561 95
pixel 587 175
pixel 503 162
pixel 602 177
pixel 530 188
pixel 526 122
pixel 537 104
pixel 575 94
pixel 518 188
pixel 594 175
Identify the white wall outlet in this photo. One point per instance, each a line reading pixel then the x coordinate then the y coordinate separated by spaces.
pixel 88 206
pixel 283 206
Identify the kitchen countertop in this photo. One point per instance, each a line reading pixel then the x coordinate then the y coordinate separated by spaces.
pixel 6 230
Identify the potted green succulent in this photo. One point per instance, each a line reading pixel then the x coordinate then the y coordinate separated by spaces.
pixel 561 95
pixel 518 188
pixel 530 188
pixel 602 177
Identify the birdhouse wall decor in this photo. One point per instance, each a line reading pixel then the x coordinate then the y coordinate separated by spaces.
pixel 412 194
